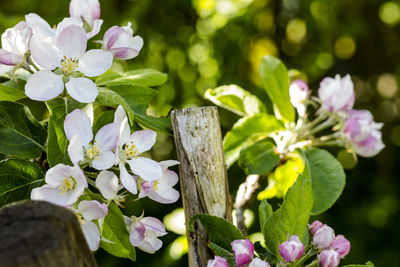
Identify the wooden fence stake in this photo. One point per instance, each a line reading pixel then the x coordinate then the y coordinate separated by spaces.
pixel 203 179
pixel 37 233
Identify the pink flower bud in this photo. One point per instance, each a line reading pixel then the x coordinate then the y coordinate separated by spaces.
pixel 341 245
pixel 370 146
pixel 218 262
pixel 315 226
pixel 299 93
pixel 337 94
pixel 257 262
pixel 87 10
pixel 291 250
pixel 120 42
pixel 243 250
pixel 328 258
pixel 324 237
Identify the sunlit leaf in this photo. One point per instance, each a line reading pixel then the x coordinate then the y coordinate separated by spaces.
pixel 144 77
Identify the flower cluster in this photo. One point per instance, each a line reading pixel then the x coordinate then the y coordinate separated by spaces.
pixel 58 57
pixel 243 251
pixel 111 161
pixel 113 145
pixel 352 128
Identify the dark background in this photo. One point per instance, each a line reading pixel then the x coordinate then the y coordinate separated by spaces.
pixel 206 43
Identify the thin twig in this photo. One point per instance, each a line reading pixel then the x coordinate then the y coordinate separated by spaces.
pixel 244 194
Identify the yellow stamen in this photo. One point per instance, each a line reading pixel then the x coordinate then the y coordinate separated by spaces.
pixel 131 151
pixel 69 65
pixel 155 186
pixel 80 218
pixel 92 152
pixel 68 184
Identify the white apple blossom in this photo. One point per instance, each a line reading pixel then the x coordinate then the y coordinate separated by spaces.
pixel 64 185
pixel 87 10
pixel 161 190
pixel 337 94
pixel 120 42
pixel 87 212
pixel 15 43
pixel 108 184
pixel 99 153
pixel 144 233
pixel 61 54
pixel 130 147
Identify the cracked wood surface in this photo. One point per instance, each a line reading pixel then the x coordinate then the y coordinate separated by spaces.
pixel 202 172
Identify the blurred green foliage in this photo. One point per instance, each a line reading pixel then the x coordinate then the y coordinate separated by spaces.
pixel 205 43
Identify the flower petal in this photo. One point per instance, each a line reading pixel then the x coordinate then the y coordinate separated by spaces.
pixel 104 161
pixel 10 59
pixel 137 233
pixel 95 62
pixel 92 234
pixel 75 149
pixel 92 209
pixel 124 133
pixel 146 168
pixel 72 41
pixel 166 194
pixel 127 180
pixel 44 51
pixel 107 183
pixel 124 52
pixel 143 140
pixel 150 245
pixel 78 123
pixel 96 28
pixel 55 176
pixel 82 89
pixel 44 85
pixel 155 225
pixel 107 137
pixel 51 194
pixel 39 25
pixel 119 115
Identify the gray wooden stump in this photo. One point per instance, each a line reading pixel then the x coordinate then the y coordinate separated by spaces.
pixel 202 171
pixel 37 233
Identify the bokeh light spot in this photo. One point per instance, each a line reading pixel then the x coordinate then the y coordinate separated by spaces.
pixel 296 30
pixel 175 221
pixel 345 46
pixel 387 85
pixel 324 61
pixel 389 13
pixel 395 135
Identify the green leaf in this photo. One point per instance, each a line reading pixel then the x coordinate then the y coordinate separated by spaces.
pixel 114 230
pixel 259 158
pixel 368 264
pixel 235 99
pixel 8 93
pixel 292 217
pixel 276 82
pixel 104 118
pixel 246 131
pixel 111 98
pixel 138 98
pixel 145 77
pixel 20 134
pixel 220 231
pixel 223 253
pixel 17 178
pixel 264 212
pixel 264 253
pixel 58 143
pixel 327 177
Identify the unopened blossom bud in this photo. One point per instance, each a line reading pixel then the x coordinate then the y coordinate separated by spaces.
pixel 315 226
pixel 243 250
pixel 120 42
pixel 87 10
pixel 370 146
pixel 323 237
pixel 337 94
pixel 257 262
pixel 328 258
pixel 341 245
pixel 291 250
pixel 218 262
pixel 299 93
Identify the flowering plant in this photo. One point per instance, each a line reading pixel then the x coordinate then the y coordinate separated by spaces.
pixel 83 153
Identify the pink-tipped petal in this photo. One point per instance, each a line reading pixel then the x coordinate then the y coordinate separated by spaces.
pixel 92 209
pixel 10 59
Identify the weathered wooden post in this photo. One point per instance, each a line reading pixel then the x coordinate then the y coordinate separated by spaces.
pixel 37 233
pixel 203 178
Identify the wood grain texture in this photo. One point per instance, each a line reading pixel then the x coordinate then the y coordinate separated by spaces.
pixel 202 172
pixel 37 233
